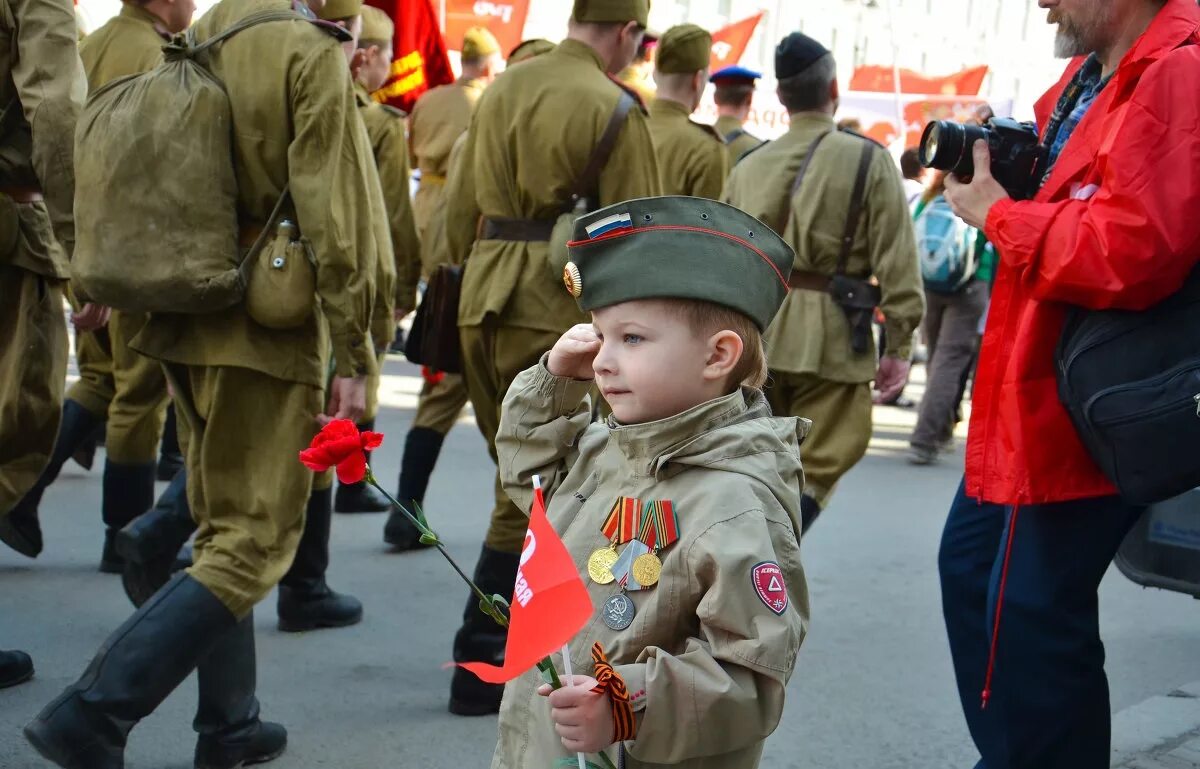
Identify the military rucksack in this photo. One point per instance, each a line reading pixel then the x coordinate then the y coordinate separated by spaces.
pixel 155 178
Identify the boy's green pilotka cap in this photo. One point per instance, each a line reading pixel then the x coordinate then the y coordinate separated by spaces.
pixel 684 49
pixel 479 43
pixel 377 25
pixel 602 11
pixel 528 49
pixel 678 247
pixel 340 9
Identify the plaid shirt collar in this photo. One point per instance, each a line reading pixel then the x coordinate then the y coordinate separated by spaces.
pixel 1072 105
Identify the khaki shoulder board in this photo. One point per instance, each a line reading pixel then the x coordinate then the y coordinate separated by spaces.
pixel 857 135
pixel 752 150
pixel 708 129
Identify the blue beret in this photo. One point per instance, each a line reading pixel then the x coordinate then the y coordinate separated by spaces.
pixel 735 73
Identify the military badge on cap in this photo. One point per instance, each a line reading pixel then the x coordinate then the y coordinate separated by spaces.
pixel 609 224
pixel 573 280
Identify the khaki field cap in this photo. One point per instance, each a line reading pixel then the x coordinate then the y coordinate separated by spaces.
pixel 377 26
pixel 620 11
pixel 678 247
pixel 479 43
pixel 684 49
pixel 341 9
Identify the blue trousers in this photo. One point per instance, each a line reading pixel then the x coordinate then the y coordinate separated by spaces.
pixel 1049 705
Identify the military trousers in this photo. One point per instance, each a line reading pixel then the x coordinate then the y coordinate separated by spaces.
pixel 374 381
pixel 841 425
pixel 123 387
pixel 1049 702
pixel 247 489
pixel 493 355
pixel 440 404
pixel 33 370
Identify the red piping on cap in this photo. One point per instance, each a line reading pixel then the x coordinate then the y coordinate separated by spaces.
pixel 684 228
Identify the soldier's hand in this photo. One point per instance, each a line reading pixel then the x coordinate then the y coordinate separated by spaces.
pixel 573 353
pixel 891 378
pixel 347 400
pixel 582 718
pixel 90 317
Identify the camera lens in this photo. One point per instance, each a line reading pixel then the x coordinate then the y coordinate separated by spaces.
pixel 946 146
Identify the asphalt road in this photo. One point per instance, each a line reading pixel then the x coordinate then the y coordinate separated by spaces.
pixel 873 686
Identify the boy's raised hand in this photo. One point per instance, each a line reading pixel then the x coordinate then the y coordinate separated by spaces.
pixel 582 718
pixel 573 353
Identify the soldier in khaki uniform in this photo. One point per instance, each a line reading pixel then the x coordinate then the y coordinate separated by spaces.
pixel 40 76
pixel 705 635
pixel 443 395
pixel 733 92
pixel 518 169
pixel 250 398
pixel 440 116
pixel 691 155
pixel 120 386
pixel 815 372
pixel 640 74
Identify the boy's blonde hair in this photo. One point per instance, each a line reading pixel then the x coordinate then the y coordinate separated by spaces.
pixel 707 318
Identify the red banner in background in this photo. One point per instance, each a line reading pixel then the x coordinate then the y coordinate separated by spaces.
pixel 965 83
pixel 729 43
pixel 504 18
pixel 419 58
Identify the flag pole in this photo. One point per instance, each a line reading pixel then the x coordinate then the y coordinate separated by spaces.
pixel 566 653
pixel 442 16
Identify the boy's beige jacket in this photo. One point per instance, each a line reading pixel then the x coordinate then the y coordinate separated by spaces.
pixel 706 660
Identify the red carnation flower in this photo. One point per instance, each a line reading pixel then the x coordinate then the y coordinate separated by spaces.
pixel 341 445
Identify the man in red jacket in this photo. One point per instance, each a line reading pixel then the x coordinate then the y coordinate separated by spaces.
pixel 1036 523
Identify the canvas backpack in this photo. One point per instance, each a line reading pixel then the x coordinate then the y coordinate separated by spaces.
pixel 946 245
pixel 156 216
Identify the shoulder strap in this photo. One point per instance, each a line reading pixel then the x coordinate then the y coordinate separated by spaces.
pixel 856 205
pixel 799 180
pixel 252 20
pixel 734 135
pixel 268 230
pixel 586 185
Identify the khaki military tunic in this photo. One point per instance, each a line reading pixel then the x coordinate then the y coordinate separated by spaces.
pixel 128 44
pixel 816 373
pixel 737 141
pixel 249 396
pixel 42 83
pixel 438 118
pixel 706 659
pixel 691 156
pixel 534 130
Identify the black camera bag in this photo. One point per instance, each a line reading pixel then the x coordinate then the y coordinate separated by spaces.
pixel 1131 383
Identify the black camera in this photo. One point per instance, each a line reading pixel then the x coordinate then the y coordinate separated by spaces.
pixel 1018 159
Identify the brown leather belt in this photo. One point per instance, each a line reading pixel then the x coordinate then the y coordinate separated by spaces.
pixel 23 195
pixel 518 230
pixel 435 179
pixel 808 281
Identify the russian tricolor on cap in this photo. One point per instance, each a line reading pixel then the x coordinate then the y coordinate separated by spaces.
pixel 609 224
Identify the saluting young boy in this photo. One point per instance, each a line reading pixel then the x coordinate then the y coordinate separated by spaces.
pixel 681 510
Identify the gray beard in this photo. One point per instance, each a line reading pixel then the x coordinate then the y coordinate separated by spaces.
pixel 1073 39
pixel 1067 44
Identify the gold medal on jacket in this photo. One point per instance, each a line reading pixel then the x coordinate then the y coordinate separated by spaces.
pixel 600 565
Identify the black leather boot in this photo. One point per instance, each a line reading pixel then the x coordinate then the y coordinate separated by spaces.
pixel 20 529
pixel 15 668
pixel 306 602
pixel 809 510
pixel 361 497
pixel 128 492
pixel 85 454
pixel 480 639
pixel 421 449
pixel 137 667
pixel 149 544
pixel 231 734
pixel 170 458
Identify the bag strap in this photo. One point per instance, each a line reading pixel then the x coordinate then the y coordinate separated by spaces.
pixel 252 20
pixel 856 206
pixel 267 230
pixel 590 177
pixel 799 180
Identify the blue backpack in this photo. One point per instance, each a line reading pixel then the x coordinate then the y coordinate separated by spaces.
pixel 946 245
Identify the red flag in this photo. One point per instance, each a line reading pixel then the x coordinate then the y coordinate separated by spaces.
pixel 882 79
pixel 419 60
pixel 729 43
pixel 504 18
pixel 549 606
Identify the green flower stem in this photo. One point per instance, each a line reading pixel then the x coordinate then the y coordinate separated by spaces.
pixel 487 604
